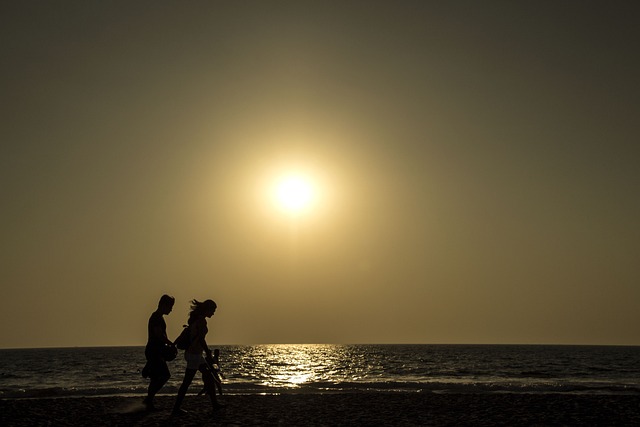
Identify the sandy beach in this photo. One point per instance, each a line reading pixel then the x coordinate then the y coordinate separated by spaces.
pixel 333 409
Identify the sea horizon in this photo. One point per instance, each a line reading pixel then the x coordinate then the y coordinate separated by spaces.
pixel 334 368
pixel 328 343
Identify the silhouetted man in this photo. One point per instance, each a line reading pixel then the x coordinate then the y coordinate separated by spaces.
pixel 156 368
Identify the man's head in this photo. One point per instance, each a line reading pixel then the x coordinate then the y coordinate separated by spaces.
pixel 165 305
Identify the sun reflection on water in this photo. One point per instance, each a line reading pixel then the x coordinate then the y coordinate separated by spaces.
pixel 292 366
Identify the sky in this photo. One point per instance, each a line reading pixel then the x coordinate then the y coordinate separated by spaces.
pixel 474 165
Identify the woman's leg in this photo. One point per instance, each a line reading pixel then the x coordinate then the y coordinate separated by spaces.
pixel 188 377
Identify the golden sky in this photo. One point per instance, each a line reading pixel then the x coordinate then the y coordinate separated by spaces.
pixel 474 166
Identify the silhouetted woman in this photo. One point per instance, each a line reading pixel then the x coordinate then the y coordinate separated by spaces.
pixel 194 353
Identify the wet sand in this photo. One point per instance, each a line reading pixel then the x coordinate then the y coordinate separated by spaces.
pixel 361 409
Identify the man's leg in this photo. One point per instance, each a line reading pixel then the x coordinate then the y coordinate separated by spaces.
pixel 159 375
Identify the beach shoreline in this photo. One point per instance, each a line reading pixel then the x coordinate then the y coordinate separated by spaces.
pixel 375 408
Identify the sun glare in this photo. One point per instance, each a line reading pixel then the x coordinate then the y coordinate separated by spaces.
pixel 294 194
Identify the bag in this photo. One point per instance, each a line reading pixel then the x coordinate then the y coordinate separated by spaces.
pixel 184 339
pixel 169 352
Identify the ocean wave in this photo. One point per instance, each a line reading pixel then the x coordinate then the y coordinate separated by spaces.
pixel 343 387
pixel 52 392
pixel 268 369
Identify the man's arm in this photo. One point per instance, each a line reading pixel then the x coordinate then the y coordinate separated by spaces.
pixel 159 332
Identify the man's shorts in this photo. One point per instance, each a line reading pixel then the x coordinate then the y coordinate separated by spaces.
pixel 156 367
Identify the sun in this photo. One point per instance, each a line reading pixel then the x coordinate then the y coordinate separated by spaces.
pixel 294 194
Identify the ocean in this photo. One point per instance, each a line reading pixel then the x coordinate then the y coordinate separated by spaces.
pixel 329 368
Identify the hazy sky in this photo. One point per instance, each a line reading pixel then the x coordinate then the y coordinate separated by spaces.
pixel 476 166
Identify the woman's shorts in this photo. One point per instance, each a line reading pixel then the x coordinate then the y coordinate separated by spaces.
pixel 194 360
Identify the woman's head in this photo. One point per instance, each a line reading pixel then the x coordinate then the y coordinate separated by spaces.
pixel 202 309
pixel 209 307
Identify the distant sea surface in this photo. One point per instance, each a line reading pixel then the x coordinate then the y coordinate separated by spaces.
pixel 110 371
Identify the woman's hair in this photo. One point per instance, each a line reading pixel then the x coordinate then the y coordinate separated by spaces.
pixel 200 308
